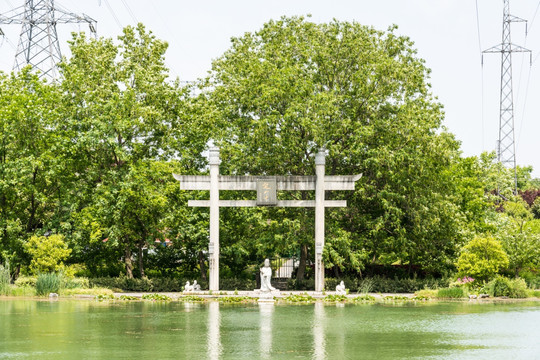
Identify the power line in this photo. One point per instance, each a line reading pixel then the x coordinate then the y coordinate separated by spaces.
pixel 481 75
pixel 113 14
pixel 524 107
pixel 534 16
pixel 478 27
pixel 130 12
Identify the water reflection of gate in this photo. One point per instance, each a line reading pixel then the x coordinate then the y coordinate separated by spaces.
pixel 266 324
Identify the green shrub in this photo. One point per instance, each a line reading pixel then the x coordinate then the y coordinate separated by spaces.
pixel 48 283
pixel 144 285
pixel 309 284
pixel 76 283
pixel 26 281
pixel 5 279
pixel 531 278
pixel 482 258
pixel 47 253
pixel 165 284
pixel 451 293
pixel 502 286
pixel 384 284
pixel 409 285
pixel 237 284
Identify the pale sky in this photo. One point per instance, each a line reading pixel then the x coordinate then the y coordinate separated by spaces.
pixel 448 34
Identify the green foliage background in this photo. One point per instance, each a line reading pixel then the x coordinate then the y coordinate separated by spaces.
pixel 89 159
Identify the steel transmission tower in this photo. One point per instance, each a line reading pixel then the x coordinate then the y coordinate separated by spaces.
pixel 506 148
pixel 38 44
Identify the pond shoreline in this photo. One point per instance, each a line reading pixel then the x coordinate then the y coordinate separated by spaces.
pixel 282 296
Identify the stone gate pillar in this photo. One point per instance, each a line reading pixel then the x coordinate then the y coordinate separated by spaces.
pixel 213 247
pixel 320 162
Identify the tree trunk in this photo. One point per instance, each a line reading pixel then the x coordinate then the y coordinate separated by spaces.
pixel 127 261
pixel 336 271
pixel 140 259
pixel 202 266
pixel 302 265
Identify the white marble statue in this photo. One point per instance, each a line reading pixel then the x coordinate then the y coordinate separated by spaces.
pixel 196 287
pixel 266 275
pixel 188 287
pixel 340 289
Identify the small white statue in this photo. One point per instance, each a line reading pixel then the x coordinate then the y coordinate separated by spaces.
pixel 196 287
pixel 188 287
pixel 340 289
pixel 266 275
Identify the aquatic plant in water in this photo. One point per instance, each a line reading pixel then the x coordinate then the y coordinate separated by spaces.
pixel 236 299
pixel 156 297
pixel 363 298
pixel 335 298
pixel 300 298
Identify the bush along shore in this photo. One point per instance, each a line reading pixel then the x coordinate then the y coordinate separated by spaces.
pixel 239 290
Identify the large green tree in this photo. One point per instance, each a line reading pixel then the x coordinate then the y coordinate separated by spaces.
pixel 280 94
pixel 31 166
pixel 121 113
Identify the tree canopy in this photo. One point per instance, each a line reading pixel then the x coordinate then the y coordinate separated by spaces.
pixel 89 158
pixel 294 86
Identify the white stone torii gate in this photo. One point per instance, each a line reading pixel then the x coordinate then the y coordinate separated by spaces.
pixel 266 187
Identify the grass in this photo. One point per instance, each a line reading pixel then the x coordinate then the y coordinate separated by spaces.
pixel 92 291
pixel 426 294
pixel 451 293
pixel 23 291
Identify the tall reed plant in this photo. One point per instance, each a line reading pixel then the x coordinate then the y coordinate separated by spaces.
pixel 5 279
pixel 48 283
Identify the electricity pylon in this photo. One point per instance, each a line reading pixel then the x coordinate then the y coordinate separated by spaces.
pixel 506 147
pixel 38 44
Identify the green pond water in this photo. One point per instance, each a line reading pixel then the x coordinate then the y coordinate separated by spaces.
pixel 86 329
